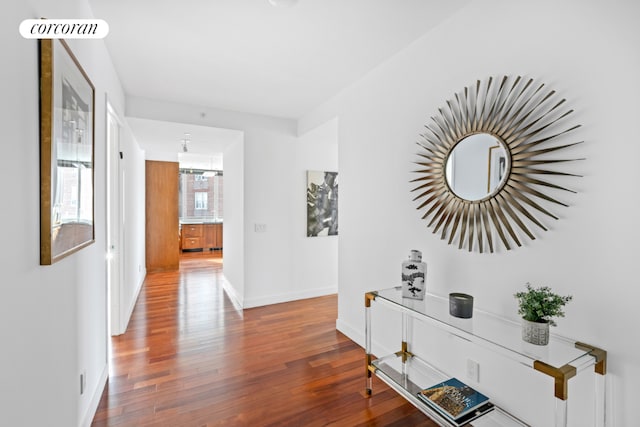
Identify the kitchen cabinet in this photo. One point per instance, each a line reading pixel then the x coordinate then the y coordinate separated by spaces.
pixel 199 236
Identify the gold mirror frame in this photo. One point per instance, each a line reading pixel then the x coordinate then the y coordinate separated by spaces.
pixel 528 120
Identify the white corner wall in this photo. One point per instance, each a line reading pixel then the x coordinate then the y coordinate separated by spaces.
pixel 586 51
pixel 135 269
pixel 282 264
pixel 315 259
pixel 233 230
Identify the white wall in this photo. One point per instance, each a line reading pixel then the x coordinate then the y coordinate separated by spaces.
pixel 269 172
pixel 585 50
pixel 53 320
pixel 233 229
pixel 315 259
pixel 268 192
pixel 135 269
pixel 300 267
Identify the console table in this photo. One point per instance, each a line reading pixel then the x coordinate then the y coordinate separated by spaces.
pixel 407 373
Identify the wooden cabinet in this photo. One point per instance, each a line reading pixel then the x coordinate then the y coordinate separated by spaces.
pixel 219 237
pixel 162 251
pixel 192 230
pixel 201 236
pixel 210 236
pixel 192 236
pixel 213 236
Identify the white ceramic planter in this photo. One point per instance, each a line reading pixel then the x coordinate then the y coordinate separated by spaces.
pixel 535 333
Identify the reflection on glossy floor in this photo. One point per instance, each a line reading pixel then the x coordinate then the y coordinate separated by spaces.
pixel 190 358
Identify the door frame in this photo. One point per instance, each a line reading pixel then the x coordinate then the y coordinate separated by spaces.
pixel 115 221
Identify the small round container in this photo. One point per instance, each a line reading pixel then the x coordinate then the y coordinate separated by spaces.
pixel 460 305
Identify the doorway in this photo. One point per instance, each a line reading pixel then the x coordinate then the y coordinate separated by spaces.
pixel 116 225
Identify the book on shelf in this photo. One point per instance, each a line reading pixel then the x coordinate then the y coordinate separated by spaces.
pixel 456 400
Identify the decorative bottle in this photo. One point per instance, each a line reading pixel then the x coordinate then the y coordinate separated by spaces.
pixel 414 273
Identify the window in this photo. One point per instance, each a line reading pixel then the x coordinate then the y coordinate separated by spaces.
pixel 73 198
pixel 200 195
pixel 201 200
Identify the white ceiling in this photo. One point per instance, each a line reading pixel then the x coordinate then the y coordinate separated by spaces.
pixel 205 146
pixel 248 56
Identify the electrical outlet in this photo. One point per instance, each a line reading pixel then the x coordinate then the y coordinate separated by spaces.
pixel 473 370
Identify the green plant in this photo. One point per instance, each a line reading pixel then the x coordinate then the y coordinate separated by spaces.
pixel 541 304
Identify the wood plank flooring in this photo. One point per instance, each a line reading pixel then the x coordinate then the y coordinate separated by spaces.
pixel 190 358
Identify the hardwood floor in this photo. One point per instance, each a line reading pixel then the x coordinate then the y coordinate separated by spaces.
pixel 190 358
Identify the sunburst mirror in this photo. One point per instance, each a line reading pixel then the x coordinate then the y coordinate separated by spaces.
pixel 488 161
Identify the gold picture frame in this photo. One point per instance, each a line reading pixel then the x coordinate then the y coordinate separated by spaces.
pixel 67 117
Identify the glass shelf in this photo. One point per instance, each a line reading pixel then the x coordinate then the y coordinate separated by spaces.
pixel 489 330
pixel 419 375
pixel 406 373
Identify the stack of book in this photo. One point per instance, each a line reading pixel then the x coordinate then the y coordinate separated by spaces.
pixel 458 402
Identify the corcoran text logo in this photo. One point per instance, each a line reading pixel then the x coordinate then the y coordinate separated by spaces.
pixel 64 28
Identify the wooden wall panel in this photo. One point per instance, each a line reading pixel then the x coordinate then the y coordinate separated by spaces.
pixel 162 235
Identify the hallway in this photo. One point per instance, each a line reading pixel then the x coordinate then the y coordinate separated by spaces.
pixel 190 358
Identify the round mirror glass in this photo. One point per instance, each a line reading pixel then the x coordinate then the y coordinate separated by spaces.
pixel 477 166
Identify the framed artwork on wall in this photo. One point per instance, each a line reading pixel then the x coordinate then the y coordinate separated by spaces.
pixel 322 203
pixel 67 105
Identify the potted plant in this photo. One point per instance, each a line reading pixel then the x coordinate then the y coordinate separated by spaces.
pixel 538 307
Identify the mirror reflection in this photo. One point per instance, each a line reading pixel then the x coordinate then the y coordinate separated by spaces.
pixel 477 166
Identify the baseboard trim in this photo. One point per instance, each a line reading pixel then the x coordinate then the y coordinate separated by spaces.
pixel 232 294
pixel 132 305
pixel 356 335
pixel 292 296
pixel 352 333
pixel 95 399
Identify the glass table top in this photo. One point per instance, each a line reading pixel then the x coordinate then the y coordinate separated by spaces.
pixel 486 329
